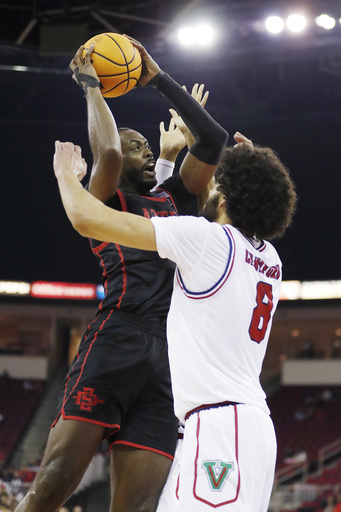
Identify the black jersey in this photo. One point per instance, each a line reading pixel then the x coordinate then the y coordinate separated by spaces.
pixel 136 281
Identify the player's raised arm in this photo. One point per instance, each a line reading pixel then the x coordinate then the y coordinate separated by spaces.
pixel 200 163
pixel 173 140
pixel 103 136
pixel 89 216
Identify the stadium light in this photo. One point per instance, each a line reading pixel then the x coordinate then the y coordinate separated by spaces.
pixel 274 24
pixel 325 21
pixel 296 22
pixel 186 36
pixel 202 34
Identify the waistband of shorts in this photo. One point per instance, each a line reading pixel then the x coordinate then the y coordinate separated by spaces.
pixel 210 406
pixel 144 324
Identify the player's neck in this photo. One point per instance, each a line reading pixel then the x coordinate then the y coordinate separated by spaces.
pixel 222 217
pixel 133 189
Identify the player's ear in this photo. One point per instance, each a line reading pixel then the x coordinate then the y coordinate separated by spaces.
pixel 222 204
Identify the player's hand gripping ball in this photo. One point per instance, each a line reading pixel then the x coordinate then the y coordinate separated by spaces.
pixel 117 62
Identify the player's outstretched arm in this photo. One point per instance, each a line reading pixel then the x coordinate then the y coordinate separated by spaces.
pixel 171 143
pixel 103 135
pixel 200 163
pixel 173 140
pixel 89 216
pixel 201 97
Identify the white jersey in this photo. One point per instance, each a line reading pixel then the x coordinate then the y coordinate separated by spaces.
pixel 225 294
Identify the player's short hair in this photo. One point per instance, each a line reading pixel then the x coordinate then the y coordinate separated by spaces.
pixel 260 194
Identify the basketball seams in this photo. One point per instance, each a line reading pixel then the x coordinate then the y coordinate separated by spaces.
pixel 123 73
pixel 123 54
pixel 109 70
pixel 117 85
pixel 125 60
pixel 126 63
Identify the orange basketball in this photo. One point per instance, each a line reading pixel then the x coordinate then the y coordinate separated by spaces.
pixel 117 62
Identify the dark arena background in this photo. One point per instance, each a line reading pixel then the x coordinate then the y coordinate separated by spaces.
pixel 278 81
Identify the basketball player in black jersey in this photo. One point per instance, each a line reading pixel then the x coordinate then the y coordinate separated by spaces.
pixel 118 387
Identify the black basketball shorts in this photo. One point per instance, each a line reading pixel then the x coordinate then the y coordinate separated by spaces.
pixel 120 379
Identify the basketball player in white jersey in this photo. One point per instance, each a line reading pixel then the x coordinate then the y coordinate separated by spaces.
pixel 226 290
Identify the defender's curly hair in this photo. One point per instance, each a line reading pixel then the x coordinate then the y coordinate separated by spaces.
pixel 260 195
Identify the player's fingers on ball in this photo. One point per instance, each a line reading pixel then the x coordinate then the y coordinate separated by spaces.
pixel 171 124
pixel 88 53
pixel 162 127
pixel 133 41
pixel 76 59
pixel 143 52
pixel 79 51
pixel 184 87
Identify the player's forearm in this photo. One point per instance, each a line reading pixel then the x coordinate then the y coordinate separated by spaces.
pixel 103 135
pixel 210 136
pixel 164 169
pixel 105 145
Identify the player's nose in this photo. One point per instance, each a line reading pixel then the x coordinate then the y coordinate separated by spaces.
pixel 149 153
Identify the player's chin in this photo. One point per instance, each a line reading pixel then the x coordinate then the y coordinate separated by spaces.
pixel 149 182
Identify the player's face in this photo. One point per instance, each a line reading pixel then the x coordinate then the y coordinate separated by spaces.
pixel 210 210
pixel 138 168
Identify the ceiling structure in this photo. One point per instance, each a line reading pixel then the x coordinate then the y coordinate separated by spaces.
pixel 39 37
pixel 282 91
pixel 25 23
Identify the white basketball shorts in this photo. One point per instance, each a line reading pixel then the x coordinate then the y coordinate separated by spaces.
pixel 226 462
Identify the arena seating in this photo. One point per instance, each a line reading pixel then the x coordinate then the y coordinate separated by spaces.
pixel 305 419
pixel 18 400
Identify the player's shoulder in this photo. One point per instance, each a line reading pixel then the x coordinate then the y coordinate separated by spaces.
pixel 259 248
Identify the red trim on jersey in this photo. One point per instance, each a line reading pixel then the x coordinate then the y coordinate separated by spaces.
pixel 124 275
pixel 142 447
pixel 97 249
pixel 177 487
pixel 196 464
pixel 123 201
pixel 85 359
pixel 153 198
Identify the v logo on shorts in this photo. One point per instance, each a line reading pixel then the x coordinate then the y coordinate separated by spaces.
pixel 87 399
pixel 217 473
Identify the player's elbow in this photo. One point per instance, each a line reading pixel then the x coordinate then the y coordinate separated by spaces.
pixel 81 223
